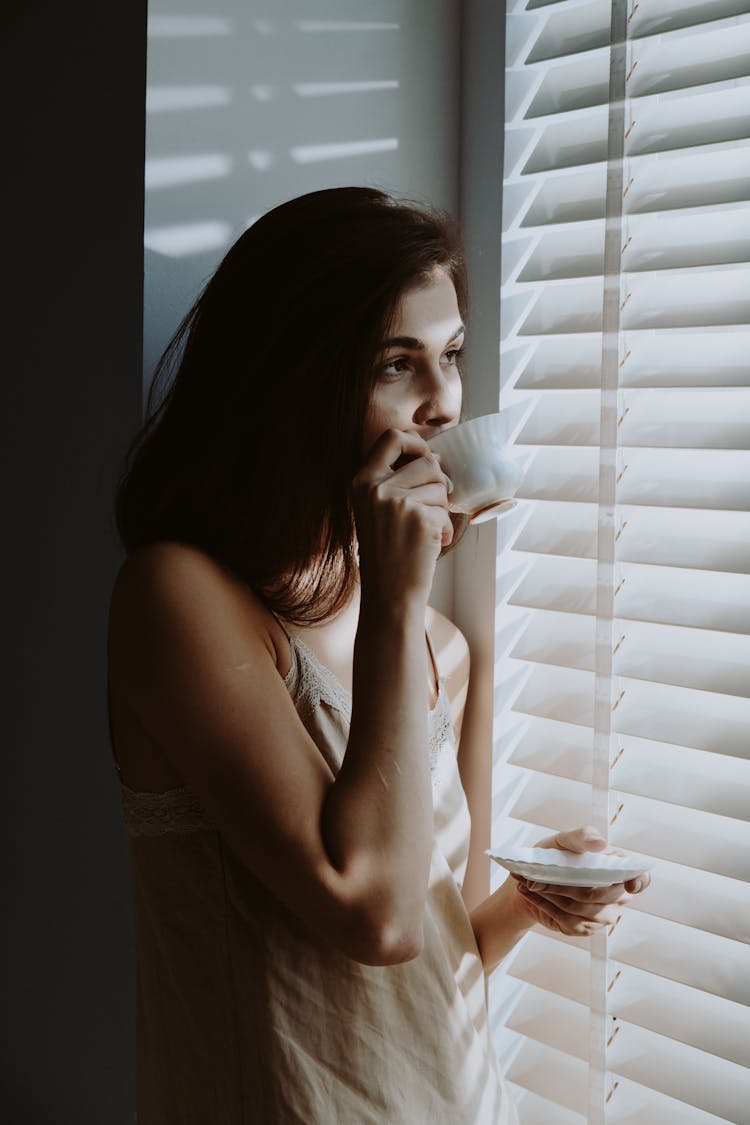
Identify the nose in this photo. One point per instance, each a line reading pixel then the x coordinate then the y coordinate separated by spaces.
pixel 440 398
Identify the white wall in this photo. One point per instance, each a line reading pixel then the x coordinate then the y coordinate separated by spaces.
pixel 278 120
pixel 260 102
pixel 481 181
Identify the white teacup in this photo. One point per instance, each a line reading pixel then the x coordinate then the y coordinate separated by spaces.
pixel 475 455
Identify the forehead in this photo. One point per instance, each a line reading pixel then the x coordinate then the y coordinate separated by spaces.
pixel 431 310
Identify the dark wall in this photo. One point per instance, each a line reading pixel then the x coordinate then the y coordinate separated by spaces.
pixel 72 263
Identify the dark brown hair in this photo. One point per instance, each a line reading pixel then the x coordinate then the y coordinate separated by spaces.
pixel 250 452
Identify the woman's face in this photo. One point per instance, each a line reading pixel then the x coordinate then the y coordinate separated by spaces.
pixel 418 385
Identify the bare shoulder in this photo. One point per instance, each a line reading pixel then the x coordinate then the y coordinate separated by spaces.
pixel 167 592
pixel 169 569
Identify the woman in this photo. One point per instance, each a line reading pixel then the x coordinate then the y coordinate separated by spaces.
pixel 285 707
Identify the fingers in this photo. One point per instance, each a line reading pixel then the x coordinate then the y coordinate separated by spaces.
pixel 400 501
pixel 579 911
pixel 614 893
pixel 432 494
pixel 392 445
pixel 422 510
pixel 568 922
pixel 586 839
pixel 437 519
pixel 586 907
pixel 421 470
pixel 404 461
pixel 638 884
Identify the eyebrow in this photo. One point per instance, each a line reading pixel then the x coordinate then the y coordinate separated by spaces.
pixel 413 343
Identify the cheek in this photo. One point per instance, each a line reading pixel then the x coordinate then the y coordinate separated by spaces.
pixel 372 430
pixel 385 412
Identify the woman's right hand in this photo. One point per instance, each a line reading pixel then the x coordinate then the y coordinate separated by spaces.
pixel 401 510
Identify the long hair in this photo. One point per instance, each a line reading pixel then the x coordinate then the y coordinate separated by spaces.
pixel 255 415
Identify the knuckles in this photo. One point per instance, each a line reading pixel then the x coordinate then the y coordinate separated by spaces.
pixel 381 500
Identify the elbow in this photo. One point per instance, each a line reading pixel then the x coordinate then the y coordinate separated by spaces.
pixel 396 945
pixel 380 938
pixel 376 920
pixel 389 945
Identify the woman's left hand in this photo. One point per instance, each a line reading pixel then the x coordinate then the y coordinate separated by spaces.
pixel 577 911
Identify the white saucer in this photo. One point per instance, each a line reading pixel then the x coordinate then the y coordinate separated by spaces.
pixel 493 510
pixel 589 869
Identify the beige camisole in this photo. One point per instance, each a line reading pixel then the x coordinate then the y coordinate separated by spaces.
pixel 246 1018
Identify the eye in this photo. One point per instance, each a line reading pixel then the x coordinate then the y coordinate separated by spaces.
pixel 454 354
pixel 394 367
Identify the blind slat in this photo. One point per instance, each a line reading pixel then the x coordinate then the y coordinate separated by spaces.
pixel 705 1081
pixel 683 953
pixel 682 58
pixel 665 713
pixel 632 1104
pixel 666 948
pixel 650 536
pixel 668 595
pixel 679 1070
pixel 683 238
pixel 674 774
pixel 711 175
pixel 688 837
pixel 553 1075
pixel 533 1110
pixel 577 27
pixel 697 1019
pixel 707 418
pixel 678 657
pixel 671 478
pixel 693 298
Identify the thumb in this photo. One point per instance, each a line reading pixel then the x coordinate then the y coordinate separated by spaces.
pixel 578 840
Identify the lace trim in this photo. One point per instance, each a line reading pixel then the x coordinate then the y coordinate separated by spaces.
pixel 156 814
pixel 177 810
pixel 316 684
pixel 440 734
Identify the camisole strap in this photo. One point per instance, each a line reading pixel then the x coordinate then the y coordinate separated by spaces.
pixel 291 641
pixel 281 625
pixel 433 661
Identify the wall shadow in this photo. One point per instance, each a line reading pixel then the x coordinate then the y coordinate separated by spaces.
pixel 264 103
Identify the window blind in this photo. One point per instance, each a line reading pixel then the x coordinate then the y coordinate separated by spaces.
pixel 622 673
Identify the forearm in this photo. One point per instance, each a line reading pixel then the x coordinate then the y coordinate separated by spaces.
pixel 499 923
pixel 377 819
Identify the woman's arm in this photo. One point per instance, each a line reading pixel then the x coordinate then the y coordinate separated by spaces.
pixel 193 657
pixel 499 923
pixel 501 919
pixel 518 904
